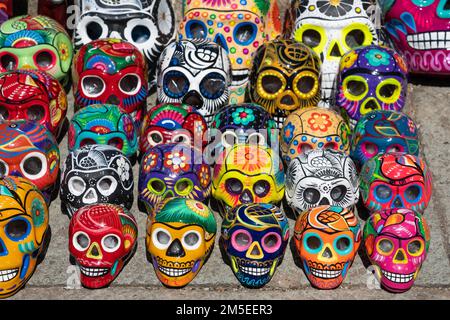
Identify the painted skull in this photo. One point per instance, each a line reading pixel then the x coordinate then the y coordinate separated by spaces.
pixel 173 170
pixel 23 227
pixel 321 177
pixel 396 180
pixel 196 72
pixel 113 72
pixel 332 28
pixel 284 77
pixel 33 95
pixel 239 26
pixel 397 243
pixel 327 239
pixel 29 150
pixel 371 78
pixel 419 30
pixel 248 173
pixel 255 236
pixel 383 132
pixel 172 123
pixel 102 238
pixel 147 24
pixel 38 42
pixel 180 238
pixel 96 174
pixel 103 124
pixel 314 128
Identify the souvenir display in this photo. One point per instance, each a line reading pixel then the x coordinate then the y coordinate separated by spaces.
pixel 284 77
pixel 172 123
pixel 396 180
pixel 172 170
pixel 55 9
pixel 383 132
pixel 196 72
pixel 29 150
pixel 371 78
pixel 96 174
pixel 397 243
pixel 102 239
pixel 314 128
pixel 180 238
pixel 38 42
pixel 147 24
pixel 419 30
pixel 331 28
pixel 254 237
pixel 239 26
pixel 23 230
pixel 321 177
pixel 103 124
pixel 111 71
pixel 35 96
pixel 327 239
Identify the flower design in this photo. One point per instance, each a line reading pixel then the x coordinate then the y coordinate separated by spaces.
pixel 401 62
pixel 320 121
pixel 123 168
pixel 205 176
pixel 288 132
pixel 176 162
pixel 335 8
pixel 150 161
pixel 198 207
pixel 64 51
pixel 38 212
pixel 243 116
pixel 377 57
pixel 348 60
pixel 216 3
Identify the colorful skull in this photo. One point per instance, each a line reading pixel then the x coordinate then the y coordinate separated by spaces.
pixel 33 95
pixel 239 26
pixel 102 238
pixel 254 237
pixel 371 78
pixel 103 124
pixel 196 72
pixel 248 173
pixel 172 170
pixel 314 128
pixel 113 72
pixel 147 24
pixel 38 42
pixel 383 132
pixel 96 174
pixel 29 150
pixel 23 228
pixel 332 28
pixel 321 177
pixel 419 30
pixel 180 238
pixel 396 180
pixel 172 123
pixel 327 239
pixel 284 77
pixel 397 242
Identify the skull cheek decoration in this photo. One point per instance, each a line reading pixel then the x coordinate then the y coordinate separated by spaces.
pixel 397 243
pixel 314 128
pixel 384 132
pixel 255 237
pixel 23 228
pixel 180 238
pixel 371 78
pixel 102 239
pixel 327 239
pixel 195 72
pixel 96 174
pixel 321 177
pixel 284 77
pixel 396 180
pixel 238 26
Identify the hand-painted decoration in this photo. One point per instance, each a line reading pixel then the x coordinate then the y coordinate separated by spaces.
pixel 55 9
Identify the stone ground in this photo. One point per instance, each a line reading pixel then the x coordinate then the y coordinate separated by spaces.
pixel 429 105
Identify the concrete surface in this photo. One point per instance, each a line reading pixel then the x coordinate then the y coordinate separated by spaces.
pixel 429 105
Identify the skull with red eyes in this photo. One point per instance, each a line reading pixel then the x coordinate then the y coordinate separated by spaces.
pixel 396 180
pixel 102 238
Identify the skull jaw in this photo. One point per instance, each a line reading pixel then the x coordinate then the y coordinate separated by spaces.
pixel 12 286
pixel 253 274
pixel 105 277
pixel 325 278
pixel 395 282
pixel 176 277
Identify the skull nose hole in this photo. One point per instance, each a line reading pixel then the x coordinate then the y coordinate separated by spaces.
pixel 398 203
pixel 400 256
pixel 246 197
pixel 176 249
pixel 335 51
pixel 194 99
pixel 95 252
pixel 220 40
pixel 372 104
pixel 327 253
pixel 324 202
pixel 255 251
pixel 113 100
pixel 3 251
pixel 288 100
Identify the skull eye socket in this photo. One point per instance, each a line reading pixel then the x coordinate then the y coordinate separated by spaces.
pixel 93 86
pixel 4 112
pixel 313 243
pixel 343 245
pixel 305 147
pixel 272 84
pixel 107 185
pixel 394 148
pixel 311 195
pixel 271 242
pixel 140 34
pixel 306 84
pixel 383 193
pixel 356 88
pixel 311 38
pixel 44 59
pixel 94 30
pixel 35 113
pixel 191 240
pixel 76 186
pixel 338 193
pixel 388 91
pixel 355 38
pixel 181 138
pixel 17 229
pixel 86 142
pixel 184 187
pixel 175 84
pixel 234 186
pixel 261 188
pixel 154 138
pixel 4 169
pixel 33 166
pixel 413 193
pixel 369 149
pixel 245 33
pixel 415 247
pixel 110 243
pixel 385 246
pixel 196 29
pixel 157 186
pixel 241 240
pixel 8 62
pixel 331 146
pixel 130 84
pixel 212 86
pixel 161 238
pixel 81 241
pixel 116 142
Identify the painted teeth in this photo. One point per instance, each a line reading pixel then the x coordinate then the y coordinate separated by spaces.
pixel 429 40
pixel 326 274
pixel 6 275
pixel 239 77
pixel 397 277
pixel 254 271
pixel 171 272
pixel 206 55
pixel 93 272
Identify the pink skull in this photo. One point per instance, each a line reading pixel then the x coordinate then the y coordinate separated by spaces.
pixel 397 243
pixel 420 30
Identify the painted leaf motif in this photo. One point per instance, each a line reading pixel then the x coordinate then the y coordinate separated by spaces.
pixel 387 131
pixel 263 6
